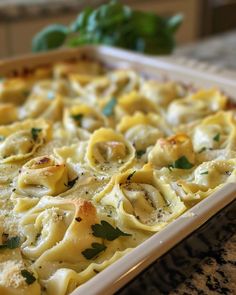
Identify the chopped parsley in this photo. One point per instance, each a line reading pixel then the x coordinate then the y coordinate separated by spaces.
pixel 106 231
pixel 217 137
pixel 35 133
pixel 109 107
pixel 90 253
pixel 28 276
pixel 181 163
pixel 140 153
pixel 78 219
pixel 205 172
pixel 131 175
pixel 2 138
pixel 11 243
pixel 72 182
pixel 77 117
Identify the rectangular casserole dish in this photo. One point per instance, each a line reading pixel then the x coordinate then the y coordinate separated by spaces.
pixel 123 270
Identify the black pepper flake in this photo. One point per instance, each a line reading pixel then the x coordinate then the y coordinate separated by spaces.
pixel 96 271
pixel 78 219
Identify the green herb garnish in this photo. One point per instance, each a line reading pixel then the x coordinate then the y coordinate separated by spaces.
pixel 131 175
pixel 181 163
pixel 217 137
pixel 109 107
pixel 205 172
pixel 72 182
pixel 77 117
pixel 11 243
pixel 35 133
pixel 29 277
pixel 94 251
pixel 2 138
pixel 140 153
pixel 106 231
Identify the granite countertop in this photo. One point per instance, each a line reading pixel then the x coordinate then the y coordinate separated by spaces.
pixel 219 50
pixel 204 263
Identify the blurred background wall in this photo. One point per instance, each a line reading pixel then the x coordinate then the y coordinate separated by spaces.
pixel 21 19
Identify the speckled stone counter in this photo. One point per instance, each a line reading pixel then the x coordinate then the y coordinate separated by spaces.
pixel 219 50
pixel 205 263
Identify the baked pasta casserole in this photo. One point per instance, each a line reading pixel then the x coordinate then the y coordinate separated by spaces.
pixel 94 161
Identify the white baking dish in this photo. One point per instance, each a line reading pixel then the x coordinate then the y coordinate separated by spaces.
pixel 123 270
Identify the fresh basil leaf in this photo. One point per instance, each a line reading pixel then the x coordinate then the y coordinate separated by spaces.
pixel 182 163
pixel 90 253
pixel 50 37
pixel 106 231
pixel 28 276
pixel 11 243
pixel 35 133
pixel 217 137
pixel 109 107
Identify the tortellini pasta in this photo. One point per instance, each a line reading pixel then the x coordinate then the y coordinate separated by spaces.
pixel 15 90
pixel 38 106
pixel 8 113
pixel 162 93
pixel 171 149
pixel 21 140
pixel 133 102
pixel 109 151
pixel 94 161
pixel 43 176
pixel 143 130
pixel 85 117
pixel 195 106
pixel 143 201
pixel 206 178
pixel 215 132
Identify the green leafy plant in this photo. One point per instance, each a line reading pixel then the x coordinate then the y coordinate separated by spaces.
pixel 113 24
